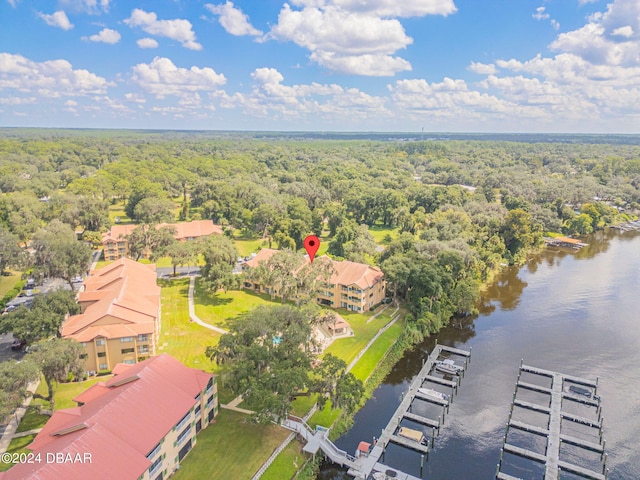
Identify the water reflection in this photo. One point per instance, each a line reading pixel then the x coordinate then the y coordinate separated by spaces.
pixel 577 317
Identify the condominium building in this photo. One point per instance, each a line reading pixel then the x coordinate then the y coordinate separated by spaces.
pixel 120 315
pixel 138 425
pixel 354 286
pixel 115 244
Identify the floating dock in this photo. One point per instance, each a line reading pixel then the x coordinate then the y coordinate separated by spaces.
pixel 557 394
pixel 363 466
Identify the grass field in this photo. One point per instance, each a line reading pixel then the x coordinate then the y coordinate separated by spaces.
pixel 286 464
pixel 181 338
pixel 7 283
pixel 118 211
pixel 230 448
pixel 246 247
pixel 17 445
pixel 369 361
pixel 348 348
pixel 218 308
pixel 379 233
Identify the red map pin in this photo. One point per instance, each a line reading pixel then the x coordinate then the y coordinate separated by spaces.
pixel 311 245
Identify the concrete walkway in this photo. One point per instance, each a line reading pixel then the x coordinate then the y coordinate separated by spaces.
pixel 233 405
pixel 35 431
pixel 10 431
pixel 192 310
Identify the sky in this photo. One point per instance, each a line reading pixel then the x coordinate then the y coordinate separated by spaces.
pixel 565 66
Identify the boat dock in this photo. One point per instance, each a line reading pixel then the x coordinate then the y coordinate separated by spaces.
pixel 365 464
pixel 557 393
pixel 565 242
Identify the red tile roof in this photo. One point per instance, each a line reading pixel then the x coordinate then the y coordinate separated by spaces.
pixel 119 300
pixel 346 272
pixel 184 230
pixel 119 423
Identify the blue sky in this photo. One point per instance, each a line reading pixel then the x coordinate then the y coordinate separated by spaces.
pixel 344 65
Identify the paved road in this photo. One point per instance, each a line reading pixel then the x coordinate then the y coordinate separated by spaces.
pixel 167 272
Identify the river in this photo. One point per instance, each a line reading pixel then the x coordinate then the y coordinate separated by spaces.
pixel 576 313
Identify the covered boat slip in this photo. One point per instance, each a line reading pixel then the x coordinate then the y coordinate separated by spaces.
pixel 563 388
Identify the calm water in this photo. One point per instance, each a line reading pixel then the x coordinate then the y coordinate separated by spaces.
pixel 577 313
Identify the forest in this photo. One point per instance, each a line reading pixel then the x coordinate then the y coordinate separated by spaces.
pixel 438 217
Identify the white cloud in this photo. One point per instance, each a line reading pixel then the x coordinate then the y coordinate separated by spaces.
pixel 71 103
pixel 625 31
pixel 372 65
pixel 93 7
pixel 555 24
pixel 18 100
pixel 106 35
pixel 343 41
pixel 233 20
pixel 52 78
pixel 270 98
pixel 177 29
pixel 58 19
pixel 540 14
pixel 600 42
pixel 147 43
pixel 387 8
pixel 135 98
pixel 161 77
pixel 482 68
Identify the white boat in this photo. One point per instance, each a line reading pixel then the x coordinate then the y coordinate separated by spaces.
pixel 446 369
pixel 434 393
pixel 453 364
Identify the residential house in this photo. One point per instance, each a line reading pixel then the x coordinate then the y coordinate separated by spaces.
pixel 115 244
pixel 120 315
pixel 138 425
pixel 355 286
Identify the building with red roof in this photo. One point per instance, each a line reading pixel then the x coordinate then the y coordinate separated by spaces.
pixel 120 315
pixel 355 286
pixel 115 243
pixel 138 425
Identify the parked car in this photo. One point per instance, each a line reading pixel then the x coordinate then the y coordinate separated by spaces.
pixel 18 344
pixel 31 283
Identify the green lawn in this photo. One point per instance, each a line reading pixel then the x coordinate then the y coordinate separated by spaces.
pixel 231 448
pixel 181 338
pixel 286 464
pixel 32 419
pixel 218 308
pixel 7 283
pixel 118 211
pixel 369 361
pixel 348 348
pixel 17 445
pixel 248 246
pixel 379 233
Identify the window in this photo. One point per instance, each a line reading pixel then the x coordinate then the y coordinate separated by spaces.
pixel 102 354
pixel 126 339
pixel 143 337
pixel 198 409
pixel 155 466
pixel 143 348
pixel 100 342
pixel 102 366
pixel 84 344
pixel 155 451
pixel 184 434
pixel 129 362
pixel 83 355
pixel 209 386
pixel 184 420
pixel 126 350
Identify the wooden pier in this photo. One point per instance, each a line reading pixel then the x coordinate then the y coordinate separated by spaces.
pixel 364 465
pixel 557 394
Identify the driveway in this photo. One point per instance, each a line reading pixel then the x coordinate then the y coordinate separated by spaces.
pixel 5 348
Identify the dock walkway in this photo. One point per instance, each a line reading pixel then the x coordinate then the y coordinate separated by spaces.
pixel 364 465
pixel 551 458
